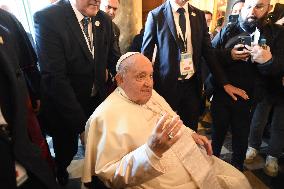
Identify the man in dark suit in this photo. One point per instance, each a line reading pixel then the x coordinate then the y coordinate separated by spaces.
pixel 75 43
pixel 20 161
pixel 180 33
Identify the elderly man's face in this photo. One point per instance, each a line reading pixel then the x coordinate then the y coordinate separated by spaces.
pixel 137 81
pixel 110 7
pixel 236 9
pixel 88 7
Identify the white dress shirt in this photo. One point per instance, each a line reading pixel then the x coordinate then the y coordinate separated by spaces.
pixel 80 17
pixel 175 7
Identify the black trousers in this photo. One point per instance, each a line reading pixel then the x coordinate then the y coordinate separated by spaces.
pixel 235 114
pixel 32 183
pixel 189 102
pixel 65 140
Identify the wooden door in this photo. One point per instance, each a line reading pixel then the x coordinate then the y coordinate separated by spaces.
pixel 147 6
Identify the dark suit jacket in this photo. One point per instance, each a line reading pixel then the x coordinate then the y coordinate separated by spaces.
pixel 274 70
pixel 116 32
pixel 13 102
pixel 25 51
pixel 67 66
pixel 160 29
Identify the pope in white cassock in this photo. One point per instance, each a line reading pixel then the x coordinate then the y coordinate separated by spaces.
pixel 135 140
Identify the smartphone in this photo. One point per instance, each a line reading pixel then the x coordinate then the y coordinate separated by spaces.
pixel 233 18
pixel 245 40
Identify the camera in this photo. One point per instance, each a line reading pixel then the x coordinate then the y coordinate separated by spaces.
pixel 233 18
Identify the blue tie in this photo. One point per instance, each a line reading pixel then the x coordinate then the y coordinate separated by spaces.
pixel 85 21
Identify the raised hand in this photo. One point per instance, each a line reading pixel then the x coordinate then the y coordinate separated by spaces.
pixel 165 134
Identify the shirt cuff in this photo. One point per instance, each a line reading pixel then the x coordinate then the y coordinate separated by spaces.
pixel 266 63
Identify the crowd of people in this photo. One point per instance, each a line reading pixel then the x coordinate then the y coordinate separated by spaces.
pixel 137 114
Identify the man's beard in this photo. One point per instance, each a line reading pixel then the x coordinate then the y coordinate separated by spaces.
pixel 250 26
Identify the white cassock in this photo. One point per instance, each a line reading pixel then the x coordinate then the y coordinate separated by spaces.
pixel 117 151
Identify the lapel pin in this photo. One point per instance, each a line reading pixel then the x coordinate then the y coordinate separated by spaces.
pixel 193 14
pixel 1 40
pixel 97 23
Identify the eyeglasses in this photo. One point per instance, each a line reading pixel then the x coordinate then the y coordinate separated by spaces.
pixel 257 7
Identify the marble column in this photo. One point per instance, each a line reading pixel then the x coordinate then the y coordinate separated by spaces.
pixel 129 20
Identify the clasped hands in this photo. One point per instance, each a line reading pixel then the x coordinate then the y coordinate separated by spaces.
pixel 167 132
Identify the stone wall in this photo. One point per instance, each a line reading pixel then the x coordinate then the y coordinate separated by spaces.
pixel 129 20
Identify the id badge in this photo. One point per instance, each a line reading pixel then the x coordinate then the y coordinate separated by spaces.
pixel 186 66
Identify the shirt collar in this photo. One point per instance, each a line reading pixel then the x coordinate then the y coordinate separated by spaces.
pixel 78 14
pixel 175 6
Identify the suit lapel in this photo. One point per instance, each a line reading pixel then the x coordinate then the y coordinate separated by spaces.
pixel 170 20
pixel 98 31
pixel 75 27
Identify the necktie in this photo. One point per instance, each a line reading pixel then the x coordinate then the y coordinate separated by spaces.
pixel 85 21
pixel 182 22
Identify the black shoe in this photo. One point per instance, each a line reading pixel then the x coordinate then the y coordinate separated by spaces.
pixel 62 177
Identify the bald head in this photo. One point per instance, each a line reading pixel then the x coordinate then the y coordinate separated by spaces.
pixel 254 14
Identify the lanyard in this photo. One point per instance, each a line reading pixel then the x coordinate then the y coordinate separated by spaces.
pixel 180 35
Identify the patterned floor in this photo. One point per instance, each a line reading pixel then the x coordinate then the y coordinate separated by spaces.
pixel 253 171
pixel 257 178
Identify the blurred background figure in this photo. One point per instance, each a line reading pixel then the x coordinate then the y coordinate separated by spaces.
pixel 235 11
pixel 237 6
pixel 110 7
pixel 219 25
pixel 208 18
pixel 137 42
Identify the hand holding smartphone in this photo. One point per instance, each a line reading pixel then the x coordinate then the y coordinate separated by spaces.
pixel 245 40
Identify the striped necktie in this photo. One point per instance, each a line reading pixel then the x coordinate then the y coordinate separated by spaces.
pixel 85 21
